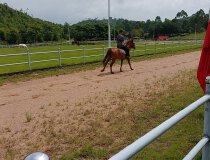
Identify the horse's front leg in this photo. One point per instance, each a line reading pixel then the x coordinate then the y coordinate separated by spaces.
pixel 121 65
pixel 129 63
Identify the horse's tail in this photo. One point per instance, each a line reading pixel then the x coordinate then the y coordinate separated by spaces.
pixel 107 55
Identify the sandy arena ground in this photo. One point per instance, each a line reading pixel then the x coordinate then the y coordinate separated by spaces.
pixel 25 106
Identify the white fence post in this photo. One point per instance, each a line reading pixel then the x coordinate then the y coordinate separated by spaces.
pixel 29 59
pixel 133 52
pixel 84 55
pixel 155 47
pixel 59 56
pixel 145 48
pixel 191 44
pixel 206 148
pixel 165 47
pixel 103 50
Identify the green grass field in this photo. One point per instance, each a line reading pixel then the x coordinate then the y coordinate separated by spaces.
pixel 190 36
pixel 42 57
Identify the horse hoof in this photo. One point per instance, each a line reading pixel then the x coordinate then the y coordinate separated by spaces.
pixel 121 71
pixel 132 69
pixel 112 72
pixel 102 70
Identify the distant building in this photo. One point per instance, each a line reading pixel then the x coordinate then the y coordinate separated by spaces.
pixel 162 38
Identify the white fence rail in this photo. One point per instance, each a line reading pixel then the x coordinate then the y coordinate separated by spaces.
pixel 61 55
pixel 148 138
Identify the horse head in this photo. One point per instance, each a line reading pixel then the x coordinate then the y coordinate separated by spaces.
pixel 130 44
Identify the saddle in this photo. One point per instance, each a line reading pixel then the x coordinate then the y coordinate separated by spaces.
pixel 122 51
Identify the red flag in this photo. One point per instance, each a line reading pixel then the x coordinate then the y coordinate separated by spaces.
pixel 204 64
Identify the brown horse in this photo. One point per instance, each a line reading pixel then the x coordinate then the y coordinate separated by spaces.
pixel 116 53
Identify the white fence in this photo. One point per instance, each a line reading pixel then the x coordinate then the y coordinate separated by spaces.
pixel 86 55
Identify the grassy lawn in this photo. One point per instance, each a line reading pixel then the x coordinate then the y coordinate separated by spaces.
pixel 190 36
pixel 71 55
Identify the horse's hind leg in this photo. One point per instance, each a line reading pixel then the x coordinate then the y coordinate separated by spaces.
pixel 105 63
pixel 121 65
pixel 113 61
pixel 129 62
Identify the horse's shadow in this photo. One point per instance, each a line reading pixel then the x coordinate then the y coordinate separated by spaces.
pixel 102 74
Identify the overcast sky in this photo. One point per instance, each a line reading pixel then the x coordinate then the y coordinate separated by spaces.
pixel 73 11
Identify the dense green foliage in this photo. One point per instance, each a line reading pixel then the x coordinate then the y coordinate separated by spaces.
pixel 19 27
pixel 182 24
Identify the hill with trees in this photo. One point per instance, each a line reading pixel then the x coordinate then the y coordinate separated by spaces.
pixel 18 27
pixel 182 24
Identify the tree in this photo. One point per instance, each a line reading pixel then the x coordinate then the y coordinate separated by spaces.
pixel 66 30
pixel 198 20
pixel 137 32
pixel 2 35
pixel 12 37
pixel 181 14
pixel 158 19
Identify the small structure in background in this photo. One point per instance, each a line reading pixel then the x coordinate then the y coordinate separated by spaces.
pixel 162 38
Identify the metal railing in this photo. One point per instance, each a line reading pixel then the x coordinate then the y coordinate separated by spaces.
pixel 148 138
pixel 60 56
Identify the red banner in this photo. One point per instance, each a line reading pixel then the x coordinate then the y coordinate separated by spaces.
pixel 204 64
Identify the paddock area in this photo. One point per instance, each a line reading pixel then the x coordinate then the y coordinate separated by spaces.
pixel 53 114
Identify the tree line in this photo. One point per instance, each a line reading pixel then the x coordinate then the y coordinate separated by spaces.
pixel 19 27
pixel 180 25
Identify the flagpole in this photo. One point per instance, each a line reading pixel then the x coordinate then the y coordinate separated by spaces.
pixel 109 34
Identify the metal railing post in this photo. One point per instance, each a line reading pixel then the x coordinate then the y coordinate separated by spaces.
pixel 59 56
pixel 206 148
pixel 84 55
pixel 29 59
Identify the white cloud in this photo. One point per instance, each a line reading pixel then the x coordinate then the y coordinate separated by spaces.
pixel 73 11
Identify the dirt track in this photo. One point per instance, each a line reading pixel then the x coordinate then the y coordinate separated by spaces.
pixel 25 105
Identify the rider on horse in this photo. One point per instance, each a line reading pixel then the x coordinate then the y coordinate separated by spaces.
pixel 120 42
